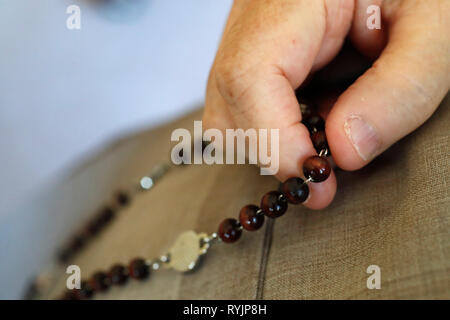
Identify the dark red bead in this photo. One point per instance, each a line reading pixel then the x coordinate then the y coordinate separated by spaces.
pixel 306 109
pixel 94 227
pixel 77 243
pixel 230 230
pixel 295 190
pixel 138 269
pixel 250 218
pixel 64 255
pixel 99 281
pixel 118 274
pixel 70 295
pixel 319 140
pixel 86 291
pixel 316 168
pixel 122 198
pixel 274 204
pixel 314 123
pixel 101 220
pixel 106 216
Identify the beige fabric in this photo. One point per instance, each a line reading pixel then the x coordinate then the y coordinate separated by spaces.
pixel 394 214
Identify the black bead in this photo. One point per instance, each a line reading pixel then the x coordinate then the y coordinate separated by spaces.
pixel 295 190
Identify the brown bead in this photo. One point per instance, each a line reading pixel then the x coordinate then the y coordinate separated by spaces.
pixel 138 269
pixel 122 198
pixel 319 140
pixel 64 255
pixel 99 281
pixel 77 243
pixel 306 109
pixel 230 230
pixel 101 220
pixel 71 295
pixel 274 204
pixel 85 292
pixel 316 168
pixel 118 274
pixel 295 190
pixel 250 218
pixel 106 216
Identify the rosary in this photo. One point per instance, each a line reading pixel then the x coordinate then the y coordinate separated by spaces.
pixel 190 246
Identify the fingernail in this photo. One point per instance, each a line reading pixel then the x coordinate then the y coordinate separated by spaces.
pixel 363 137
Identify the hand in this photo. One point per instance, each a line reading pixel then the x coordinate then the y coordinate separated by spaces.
pixel 270 47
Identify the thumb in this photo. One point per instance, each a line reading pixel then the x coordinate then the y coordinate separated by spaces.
pixel 401 90
pixel 264 55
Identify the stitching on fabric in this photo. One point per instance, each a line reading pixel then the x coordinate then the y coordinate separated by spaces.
pixel 267 244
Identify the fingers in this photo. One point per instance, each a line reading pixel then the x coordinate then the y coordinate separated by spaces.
pixel 400 91
pixel 370 42
pixel 266 52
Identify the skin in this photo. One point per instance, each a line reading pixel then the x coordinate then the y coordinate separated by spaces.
pixel 269 47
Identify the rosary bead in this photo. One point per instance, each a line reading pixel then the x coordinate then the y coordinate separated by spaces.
pixel 319 140
pixel 316 168
pixel 314 123
pixel 103 218
pixel 295 190
pixel 86 291
pixel 274 204
pixel 106 216
pixel 230 230
pixel 250 218
pixel 70 295
pixel 306 109
pixel 99 281
pixel 122 198
pixel 77 243
pixel 138 269
pixel 118 274
pixel 64 255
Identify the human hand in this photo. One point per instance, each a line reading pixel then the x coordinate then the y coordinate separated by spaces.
pixel 270 47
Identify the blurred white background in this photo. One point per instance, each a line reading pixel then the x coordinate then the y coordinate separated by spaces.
pixel 63 93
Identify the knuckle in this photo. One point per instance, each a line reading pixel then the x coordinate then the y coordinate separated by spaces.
pixel 232 79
